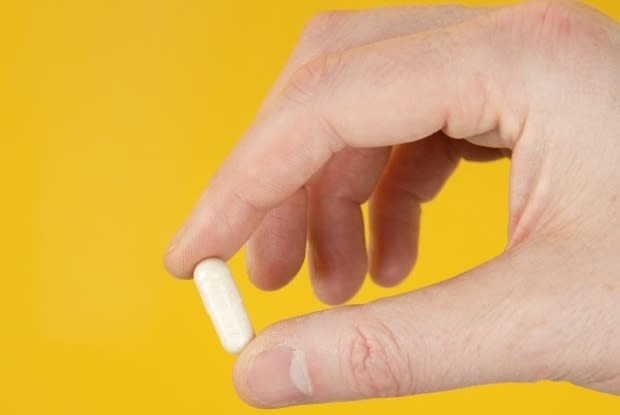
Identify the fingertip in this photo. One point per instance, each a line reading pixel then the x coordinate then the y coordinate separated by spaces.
pixel 276 250
pixel 338 257
pixel 175 266
pixel 331 295
pixel 171 261
pixel 391 261
pixel 336 285
pixel 189 246
pixel 271 272
pixel 390 273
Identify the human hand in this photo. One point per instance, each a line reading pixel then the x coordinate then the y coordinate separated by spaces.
pixel 383 104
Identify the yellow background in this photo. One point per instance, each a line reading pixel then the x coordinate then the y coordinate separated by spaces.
pixel 113 114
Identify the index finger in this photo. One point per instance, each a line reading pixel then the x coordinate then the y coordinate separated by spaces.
pixel 382 94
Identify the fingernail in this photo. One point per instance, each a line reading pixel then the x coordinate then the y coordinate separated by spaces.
pixel 279 376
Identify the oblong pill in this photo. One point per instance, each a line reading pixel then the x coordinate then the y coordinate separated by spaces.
pixel 221 298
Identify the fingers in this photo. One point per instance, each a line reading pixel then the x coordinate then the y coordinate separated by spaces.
pixel 269 266
pixel 415 173
pixel 338 259
pixel 276 250
pixel 383 94
pixel 205 233
pixel 477 328
pixel 338 263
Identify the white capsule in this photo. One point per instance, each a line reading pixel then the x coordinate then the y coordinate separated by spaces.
pixel 223 303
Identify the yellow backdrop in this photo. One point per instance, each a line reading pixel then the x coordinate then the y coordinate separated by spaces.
pixel 113 115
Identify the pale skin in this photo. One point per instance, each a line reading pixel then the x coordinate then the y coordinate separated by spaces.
pixel 379 106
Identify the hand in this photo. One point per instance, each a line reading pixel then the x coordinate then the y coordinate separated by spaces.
pixel 382 104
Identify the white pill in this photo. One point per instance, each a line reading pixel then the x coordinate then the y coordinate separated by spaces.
pixel 223 303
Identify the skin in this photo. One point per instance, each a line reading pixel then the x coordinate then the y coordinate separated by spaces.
pixel 381 105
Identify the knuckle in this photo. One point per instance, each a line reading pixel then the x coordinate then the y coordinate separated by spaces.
pixel 556 43
pixel 558 27
pixel 374 362
pixel 320 36
pixel 307 81
pixel 556 21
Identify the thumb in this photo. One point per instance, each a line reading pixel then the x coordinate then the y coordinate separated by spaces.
pixel 478 328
